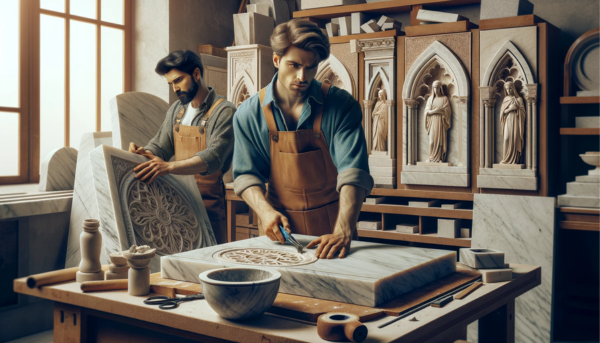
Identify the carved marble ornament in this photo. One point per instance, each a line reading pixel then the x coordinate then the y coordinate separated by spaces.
pixel 265 257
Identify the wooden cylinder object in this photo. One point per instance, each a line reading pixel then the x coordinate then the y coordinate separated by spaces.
pixel 339 326
pixel 106 285
pixel 54 276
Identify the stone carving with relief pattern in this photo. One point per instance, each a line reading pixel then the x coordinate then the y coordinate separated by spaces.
pixel 155 214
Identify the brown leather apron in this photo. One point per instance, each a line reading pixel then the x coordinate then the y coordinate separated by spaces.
pixel 303 177
pixel 188 140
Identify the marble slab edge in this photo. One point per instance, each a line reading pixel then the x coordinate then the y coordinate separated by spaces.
pixel 507 182
pixel 28 208
pixel 435 179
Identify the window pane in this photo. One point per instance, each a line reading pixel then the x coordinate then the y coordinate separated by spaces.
pixel 83 8
pixel 52 84
pixel 112 71
pixel 9 141
pixel 9 53
pixel 83 80
pixel 112 11
pixel 53 5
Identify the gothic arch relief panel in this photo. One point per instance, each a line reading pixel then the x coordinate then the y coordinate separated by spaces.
pixel 333 72
pixel 379 108
pixel 436 92
pixel 249 68
pixel 243 89
pixel 509 114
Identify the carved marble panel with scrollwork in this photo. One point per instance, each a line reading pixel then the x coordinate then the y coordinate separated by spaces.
pixel 167 214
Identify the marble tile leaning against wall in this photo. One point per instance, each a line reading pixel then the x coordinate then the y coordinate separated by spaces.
pixel 523 228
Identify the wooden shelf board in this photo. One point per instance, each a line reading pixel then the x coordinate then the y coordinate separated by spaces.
pixel 346 39
pixel 392 6
pixel 422 194
pixel 419 211
pixel 580 210
pixel 582 226
pixel 439 29
pixel 580 99
pixel 430 238
pixel 579 131
pixel 509 22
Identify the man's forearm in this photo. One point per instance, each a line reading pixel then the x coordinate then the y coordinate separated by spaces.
pixel 191 166
pixel 255 198
pixel 351 200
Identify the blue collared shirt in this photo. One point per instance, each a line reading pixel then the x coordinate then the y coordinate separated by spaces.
pixel 341 126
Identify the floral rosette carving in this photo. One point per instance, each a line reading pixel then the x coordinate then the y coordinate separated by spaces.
pixel 265 257
pixel 161 217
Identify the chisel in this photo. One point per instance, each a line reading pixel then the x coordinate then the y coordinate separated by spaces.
pixel 290 239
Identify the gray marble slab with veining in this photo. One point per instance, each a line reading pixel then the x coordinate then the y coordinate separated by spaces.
pixel 523 228
pixel 371 274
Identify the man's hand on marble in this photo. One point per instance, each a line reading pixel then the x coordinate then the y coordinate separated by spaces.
pixel 148 171
pixel 330 244
pixel 136 149
pixel 270 221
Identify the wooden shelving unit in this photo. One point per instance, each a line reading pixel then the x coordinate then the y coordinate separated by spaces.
pixel 579 131
pixel 575 100
pixel 419 211
pixel 380 34
pixel 577 218
pixel 393 6
pixel 423 194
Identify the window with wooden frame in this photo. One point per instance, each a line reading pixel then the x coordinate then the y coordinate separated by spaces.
pixel 77 56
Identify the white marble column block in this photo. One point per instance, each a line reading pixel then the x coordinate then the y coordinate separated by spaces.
pixel 496 275
pixel 136 117
pixel 357 19
pixel 333 29
pixel 345 25
pixel 252 28
pixel 438 17
pixel 407 228
pixel 84 196
pixel 58 170
pixel 369 225
pixel 370 26
pixel 278 10
pixel 448 228
pixel 249 69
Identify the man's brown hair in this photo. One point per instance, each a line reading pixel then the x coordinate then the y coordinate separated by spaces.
pixel 302 34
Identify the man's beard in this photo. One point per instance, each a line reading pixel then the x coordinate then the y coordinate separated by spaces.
pixel 186 97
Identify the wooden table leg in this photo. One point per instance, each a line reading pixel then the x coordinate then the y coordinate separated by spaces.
pixel 498 326
pixel 68 323
pixel 231 212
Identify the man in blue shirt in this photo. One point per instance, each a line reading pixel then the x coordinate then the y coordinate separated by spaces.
pixel 306 139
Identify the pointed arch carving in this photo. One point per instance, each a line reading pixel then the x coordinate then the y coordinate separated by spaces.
pixel 333 71
pixel 243 88
pixel 379 79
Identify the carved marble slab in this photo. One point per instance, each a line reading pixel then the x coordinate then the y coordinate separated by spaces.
pixel 85 205
pixel 523 228
pixel 58 170
pixel 249 68
pixel 136 117
pixel 370 275
pixel 168 214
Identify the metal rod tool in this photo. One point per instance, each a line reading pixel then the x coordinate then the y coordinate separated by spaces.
pixel 290 239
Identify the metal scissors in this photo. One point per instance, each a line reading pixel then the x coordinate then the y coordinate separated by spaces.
pixel 166 303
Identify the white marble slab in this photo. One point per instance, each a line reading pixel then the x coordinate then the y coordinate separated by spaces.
pixel 168 215
pixel 507 182
pixel 34 207
pixel 587 122
pixel 136 117
pixel 523 228
pixel 345 25
pixel 585 189
pixel 308 4
pixel 435 179
pixel 84 196
pixel 58 170
pixel 507 172
pixel 438 17
pixel 491 9
pixel 358 19
pixel 370 275
pixel 369 225
pixel 567 200
pixel 252 28
pixel 278 9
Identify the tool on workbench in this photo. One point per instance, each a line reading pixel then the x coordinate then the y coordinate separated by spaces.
pixel 290 239
pixel 442 302
pixel 106 285
pixel 339 326
pixel 428 303
pixel 166 303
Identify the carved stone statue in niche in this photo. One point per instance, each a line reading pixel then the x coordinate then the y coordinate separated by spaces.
pixel 513 124
pixel 380 122
pixel 438 120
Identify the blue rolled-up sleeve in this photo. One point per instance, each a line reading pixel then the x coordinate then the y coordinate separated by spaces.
pixel 251 159
pixel 349 147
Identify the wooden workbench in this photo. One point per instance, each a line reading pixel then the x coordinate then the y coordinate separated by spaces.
pixel 115 316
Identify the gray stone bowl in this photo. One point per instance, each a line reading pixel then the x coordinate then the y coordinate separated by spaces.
pixel 240 293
